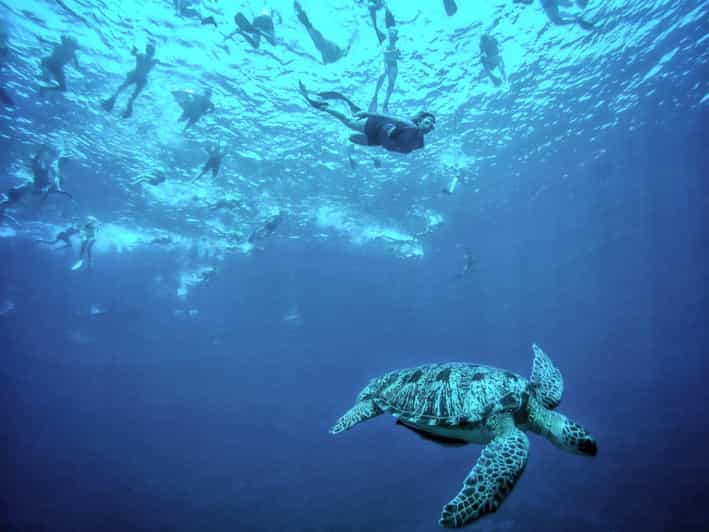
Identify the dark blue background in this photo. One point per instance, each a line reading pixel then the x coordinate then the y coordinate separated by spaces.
pixel 220 423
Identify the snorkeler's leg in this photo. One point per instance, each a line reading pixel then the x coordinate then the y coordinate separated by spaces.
pixel 89 252
pixel 375 99
pixel 373 16
pixel 139 86
pixel 254 40
pixel 333 95
pixel 392 72
pixel 215 169
pixel 110 102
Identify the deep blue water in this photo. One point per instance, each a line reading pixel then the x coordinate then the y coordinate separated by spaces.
pixel 144 417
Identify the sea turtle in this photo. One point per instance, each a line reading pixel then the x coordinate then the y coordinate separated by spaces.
pixel 457 403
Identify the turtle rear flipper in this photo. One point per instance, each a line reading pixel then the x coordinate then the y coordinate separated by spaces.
pixel 547 377
pixel 492 478
pixel 361 411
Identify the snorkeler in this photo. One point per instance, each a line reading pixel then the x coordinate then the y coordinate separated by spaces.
pixel 194 106
pixel 491 59
pixel 268 227
pixel 183 8
pixel 391 69
pixel 329 51
pixel 47 173
pixel 154 179
pixel 138 76
pixel 450 6
pixel 470 264
pixel 392 133
pixel 53 66
pixel 63 236
pixel 261 26
pixel 88 239
pixel 551 8
pixel 215 154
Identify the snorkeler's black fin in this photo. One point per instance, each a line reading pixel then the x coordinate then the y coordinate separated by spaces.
pixel 242 22
pixel 389 19
pixel 451 7
pixel 209 20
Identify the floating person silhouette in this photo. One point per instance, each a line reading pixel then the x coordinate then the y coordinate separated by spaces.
pixel 88 239
pixel 156 178
pixel 261 26
pixel 185 8
pixel 63 236
pixel 194 106
pixel 551 8
pixel 391 69
pixel 492 60
pixel 392 133
pixel 269 226
pixel 144 63
pixel 53 65
pixel 329 51
pixel 215 154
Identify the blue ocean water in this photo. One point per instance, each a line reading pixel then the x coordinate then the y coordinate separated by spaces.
pixel 188 383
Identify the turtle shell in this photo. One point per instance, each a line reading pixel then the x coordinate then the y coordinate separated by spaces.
pixel 450 394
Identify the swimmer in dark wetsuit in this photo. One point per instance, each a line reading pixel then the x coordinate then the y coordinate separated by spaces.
pixel 46 173
pixel 53 66
pixel 390 132
pixel 329 51
pixel 215 154
pixel 261 26
pixel 144 63
pixel 194 106
pixel 491 59
pixel 551 8
pixel 267 229
pixel 63 236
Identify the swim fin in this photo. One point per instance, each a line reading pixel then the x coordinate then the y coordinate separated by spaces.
pixel 244 25
pixel 77 265
pixel 451 7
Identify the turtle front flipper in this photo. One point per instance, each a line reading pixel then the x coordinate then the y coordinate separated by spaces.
pixel 493 477
pixel 547 377
pixel 361 411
